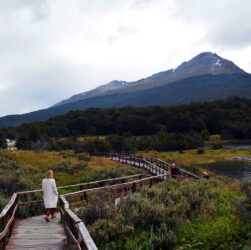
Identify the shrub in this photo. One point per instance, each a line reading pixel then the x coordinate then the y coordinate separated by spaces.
pixel 159 212
pixel 83 156
pixel 217 146
pixel 3 201
pixel 200 151
pixel 68 167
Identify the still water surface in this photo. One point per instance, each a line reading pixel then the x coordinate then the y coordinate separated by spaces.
pixel 238 146
pixel 240 170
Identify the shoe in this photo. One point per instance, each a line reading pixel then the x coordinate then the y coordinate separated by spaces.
pixel 53 216
pixel 47 218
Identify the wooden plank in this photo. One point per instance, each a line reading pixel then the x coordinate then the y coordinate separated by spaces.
pixel 36 233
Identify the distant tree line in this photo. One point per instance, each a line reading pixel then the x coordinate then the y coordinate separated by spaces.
pixel 159 128
pixel 3 143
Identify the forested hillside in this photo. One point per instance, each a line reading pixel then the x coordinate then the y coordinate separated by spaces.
pixel 161 128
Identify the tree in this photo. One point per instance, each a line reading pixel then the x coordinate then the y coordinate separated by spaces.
pixel 22 142
pixel 34 134
pixel 3 143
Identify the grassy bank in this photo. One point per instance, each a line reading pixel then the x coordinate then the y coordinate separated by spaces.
pixel 192 156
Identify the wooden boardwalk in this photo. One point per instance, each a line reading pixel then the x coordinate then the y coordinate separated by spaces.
pixel 36 233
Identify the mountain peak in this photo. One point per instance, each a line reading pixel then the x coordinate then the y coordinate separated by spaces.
pixel 209 63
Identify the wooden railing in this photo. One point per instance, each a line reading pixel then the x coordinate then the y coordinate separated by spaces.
pixel 165 165
pixel 75 227
pixel 153 165
pixel 7 218
pixel 8 214
pixel 140 162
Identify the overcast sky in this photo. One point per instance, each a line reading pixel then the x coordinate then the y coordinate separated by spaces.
pixel 52 49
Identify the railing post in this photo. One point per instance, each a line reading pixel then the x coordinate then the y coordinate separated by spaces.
pixel 61 209
pixel 86 197
pixel 81 188
pixel 151 183
pixel 134 187
pixel 140 177
pixel 3 226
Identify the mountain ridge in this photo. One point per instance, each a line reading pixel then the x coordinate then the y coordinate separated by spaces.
pixel 203 63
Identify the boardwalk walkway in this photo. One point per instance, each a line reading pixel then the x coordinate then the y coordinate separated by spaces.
pixel 36 233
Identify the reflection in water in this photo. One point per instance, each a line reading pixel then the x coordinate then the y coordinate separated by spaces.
pixel 238 146
pixel 240 170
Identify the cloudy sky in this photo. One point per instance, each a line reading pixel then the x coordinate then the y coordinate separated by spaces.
pixel 52 49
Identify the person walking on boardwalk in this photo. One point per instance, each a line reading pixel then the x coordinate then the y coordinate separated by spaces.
pixel 174 171
pixel 50 195
pixel 205 175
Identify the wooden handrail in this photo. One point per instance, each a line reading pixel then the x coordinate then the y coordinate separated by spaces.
pixel 84 184
pixel 12 207
pixel 9 205
pixel 82 232
pixel 4 232
pixel 152 159
pixel 115 186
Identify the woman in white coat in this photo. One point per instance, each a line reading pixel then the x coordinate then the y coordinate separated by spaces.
pixel 50 195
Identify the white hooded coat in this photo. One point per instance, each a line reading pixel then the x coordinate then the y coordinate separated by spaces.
pixel 50 193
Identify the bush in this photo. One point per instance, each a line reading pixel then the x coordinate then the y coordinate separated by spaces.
pixel 200 151
pixel 68 167
pixel 153 218
pixel 217 146
pixel 3 201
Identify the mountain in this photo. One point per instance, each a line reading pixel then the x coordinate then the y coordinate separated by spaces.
pixel 101 89
pixel 204 63
pixel 206 77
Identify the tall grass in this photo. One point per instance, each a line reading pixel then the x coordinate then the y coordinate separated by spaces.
pixel 175 214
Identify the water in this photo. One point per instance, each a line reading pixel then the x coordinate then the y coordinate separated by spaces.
pixel 240 170
pixel 238 145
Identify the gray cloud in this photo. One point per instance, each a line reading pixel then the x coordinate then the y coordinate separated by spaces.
pixel 227 22
pixel 52 49
pixel 38 8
